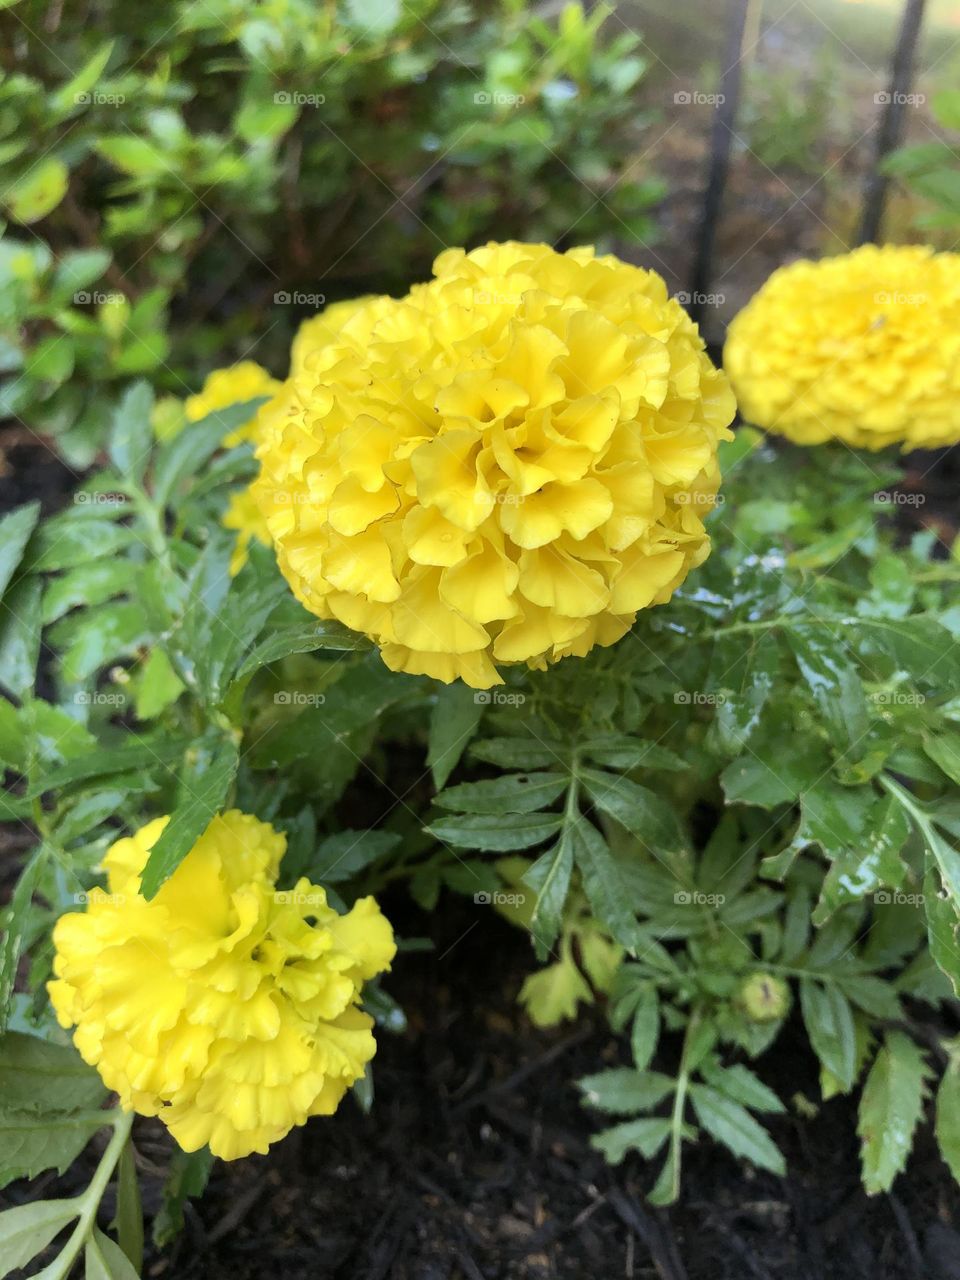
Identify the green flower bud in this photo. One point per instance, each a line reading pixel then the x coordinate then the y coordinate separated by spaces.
pixel 763 997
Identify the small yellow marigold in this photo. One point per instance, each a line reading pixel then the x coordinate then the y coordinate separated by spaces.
pixel 863 348
pixel 503 466
pixel 225 387
pixel 223 1006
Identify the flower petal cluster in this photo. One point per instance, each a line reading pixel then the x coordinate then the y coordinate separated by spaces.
pixel 503 466
pixel 233 385
pixel 225 1007
pixel 863 348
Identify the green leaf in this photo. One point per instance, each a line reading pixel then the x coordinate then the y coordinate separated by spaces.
pixel 77 537
pixel 743 680
pixel 131 434
pixel 948 1117
pixel 129 1220
pixel 742 1085
pixel 346 853
pixel 824 662
pixel 734 1126
pixel 645 1032
pixel 944 750
pixel 187 1178
pixel 20 636
pixel 204 789
pixel 549 877
pixel 518 753
pixel 187 453
pixel 15 928
pixel 623 1092
pixel 15 531
pixel 890 1107
pixel 829 1022
pixel 617 751
pixel 373 17
pixel 88 585
pixel 136 156
pixel 158 686
pixel 513 793
pixel 645 815
pixel 603 883
pixel 65 98
pixel 104 1260
pixel 32 1141
pixel 39 191
pixel 135 755
pixel 646 1136
pixel 495 832
pixel 454 720
pixel 552 994
pixel 26 1230
pixel 38 1075
pixel 301 637
pixel 97 637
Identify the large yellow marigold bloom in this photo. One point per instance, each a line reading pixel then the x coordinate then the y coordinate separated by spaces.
pixel 233 385
pixel 863 348
pixel 223 1006
pixel 503 466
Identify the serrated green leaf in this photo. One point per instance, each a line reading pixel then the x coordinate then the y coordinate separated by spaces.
pixel 204 789
pixel 518 753
pixel 646 1136
pixel 454 720
pixel 829 1023
pixel 890 1107
pixel 948 1117
pixel 88 585
pixel 622 1091
pixel 15 531
pixel 20 636
pixel 645 1031
pixel 513 793
pixel 158 686
pixel 496 833
pixel 742 1085
pixel 603 883
pixel 345 854
pixel 549 877
pixel 15 926
pixel 131 433
pixel 128 1223
pixel 732 1125
pixel 31 1141
pixel 27 1229
pixel 37 1075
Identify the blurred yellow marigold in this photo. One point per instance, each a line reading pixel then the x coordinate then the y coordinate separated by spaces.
pixel 225 387
pixel 863 348
pixel 503 466
pixel 223 1006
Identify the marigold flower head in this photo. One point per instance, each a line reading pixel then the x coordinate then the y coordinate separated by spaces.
pixel 503 466
pixel 224 387
pixel 223 1006
pixel 863 348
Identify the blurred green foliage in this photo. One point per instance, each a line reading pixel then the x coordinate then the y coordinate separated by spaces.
pixel 187 189
pixel 931 170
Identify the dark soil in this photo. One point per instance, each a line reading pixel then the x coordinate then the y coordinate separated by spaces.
pixel 475 1163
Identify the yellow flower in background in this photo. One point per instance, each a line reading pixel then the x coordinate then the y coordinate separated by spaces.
pixel 863 348
pixel 245 516
pixel 223 1006
pixel 503 466
pixel 225 387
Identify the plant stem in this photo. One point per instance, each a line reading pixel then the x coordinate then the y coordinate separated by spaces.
pixel 679 1102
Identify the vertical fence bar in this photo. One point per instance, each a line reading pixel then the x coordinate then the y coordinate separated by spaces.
pixel 890 130
pixel 720 143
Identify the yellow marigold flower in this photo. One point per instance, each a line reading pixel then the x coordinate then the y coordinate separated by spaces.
pixel 503 466
pixel 863 348
pixel 225 387
pixel 223 1006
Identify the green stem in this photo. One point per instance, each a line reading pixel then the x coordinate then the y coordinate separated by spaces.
pixel 679 1103
pixel 89 1201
